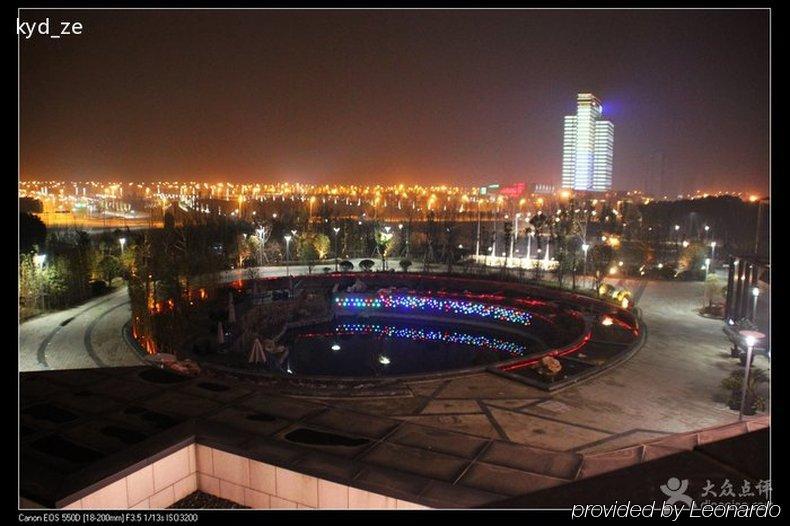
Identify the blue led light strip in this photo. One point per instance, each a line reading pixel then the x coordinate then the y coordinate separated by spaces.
pixel 478 341
pixel 456 307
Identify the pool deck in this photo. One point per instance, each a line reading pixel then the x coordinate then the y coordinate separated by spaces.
pixel 671 385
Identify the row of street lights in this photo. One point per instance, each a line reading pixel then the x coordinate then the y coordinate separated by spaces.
pixel 261 231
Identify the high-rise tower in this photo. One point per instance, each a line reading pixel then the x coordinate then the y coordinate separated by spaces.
pixel 588 146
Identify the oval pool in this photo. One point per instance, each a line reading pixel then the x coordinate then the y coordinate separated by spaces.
pixel 377 346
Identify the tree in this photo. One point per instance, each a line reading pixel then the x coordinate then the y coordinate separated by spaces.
pixel 507 229
pixel 273 251
pixel 109 267
pixel 601 257
pixel 692 258
pixel 383 238
pixel 30 205
pixel 321 244
pixel 32 232
pixel 713 290
pixel 31 281
pixel 127 260
pixel 538 224
pixel 306 251
pixel 568 236
pixel 430 239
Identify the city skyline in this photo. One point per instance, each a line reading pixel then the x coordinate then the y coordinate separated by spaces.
pixel 447 97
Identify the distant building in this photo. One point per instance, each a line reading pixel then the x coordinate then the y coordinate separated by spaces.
pixel 588 147
pixel 511 190
pixel 543 188
pixel 492 189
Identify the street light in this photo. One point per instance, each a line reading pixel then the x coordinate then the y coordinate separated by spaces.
pixel 755 295
pixel 336 230
pixel 122 241
pixel 529 244
pixel 39 259
pixel 514 236
pixel 385 237
pixel 287 253
pixel 261 231
pixel 585 248
pixel 750 338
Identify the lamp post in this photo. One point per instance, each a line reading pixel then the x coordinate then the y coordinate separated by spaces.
pixel 122 241
pixel 477 237
pixel 261 231
pixel 677 240
pixel 287 253
pixel 529 245
pixel 385 236
pixel 514 236
pixel 707 268
pixel 336 230
pixel 755 295
pixel 585 248
pixel 712 250
pixel 750 338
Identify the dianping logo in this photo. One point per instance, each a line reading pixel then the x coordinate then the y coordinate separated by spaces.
pixel 675 490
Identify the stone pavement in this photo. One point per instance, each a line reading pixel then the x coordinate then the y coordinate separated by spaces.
pixel 88 335
pixel 670 386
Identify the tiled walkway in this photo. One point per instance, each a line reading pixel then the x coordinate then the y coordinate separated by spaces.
pixel 670 386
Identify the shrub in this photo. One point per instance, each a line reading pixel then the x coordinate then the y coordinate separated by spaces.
pixel 734 384
pixel 98 287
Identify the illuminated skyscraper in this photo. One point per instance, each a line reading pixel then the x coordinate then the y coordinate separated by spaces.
pixel 587 147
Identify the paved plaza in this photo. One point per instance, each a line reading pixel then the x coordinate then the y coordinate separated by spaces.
pixel 670 386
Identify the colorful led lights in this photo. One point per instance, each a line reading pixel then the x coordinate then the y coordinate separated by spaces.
pixel 457 307
pixel 431 335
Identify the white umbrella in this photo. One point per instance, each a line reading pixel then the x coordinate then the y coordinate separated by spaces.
pixel 231 309
pixel 220 334
pixel 257 355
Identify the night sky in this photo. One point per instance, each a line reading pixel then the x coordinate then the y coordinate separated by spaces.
pixel 462 97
